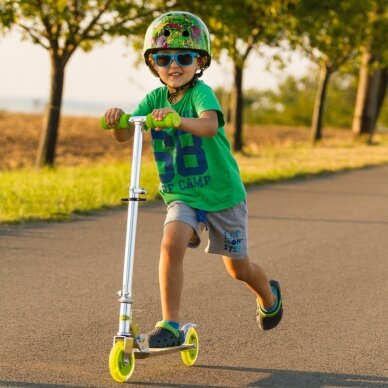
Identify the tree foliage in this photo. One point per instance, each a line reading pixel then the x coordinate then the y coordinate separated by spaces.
pixel 6 15
pixel 61 26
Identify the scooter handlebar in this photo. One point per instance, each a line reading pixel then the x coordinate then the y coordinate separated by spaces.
pixel 171 120
pixel 123 122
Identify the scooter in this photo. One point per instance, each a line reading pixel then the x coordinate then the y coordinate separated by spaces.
pixel 129 344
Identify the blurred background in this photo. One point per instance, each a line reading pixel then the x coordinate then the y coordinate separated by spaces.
pixel 280 62
pixel 111 74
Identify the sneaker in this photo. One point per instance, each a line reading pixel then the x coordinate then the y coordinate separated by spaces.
pixel 265 320
pixel 165 336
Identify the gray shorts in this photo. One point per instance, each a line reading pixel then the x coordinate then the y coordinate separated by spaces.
pixel 227 229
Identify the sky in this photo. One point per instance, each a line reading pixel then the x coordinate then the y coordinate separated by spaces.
pixel 110 75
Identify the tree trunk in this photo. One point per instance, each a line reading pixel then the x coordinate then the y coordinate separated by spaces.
pixel 316 125
pixel 370 96
pixel 370 108
pixel 377 88
pixel 237 109
pixel 48 139
pixel 381 92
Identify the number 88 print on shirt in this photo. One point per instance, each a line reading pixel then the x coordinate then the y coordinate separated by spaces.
pixel 198 171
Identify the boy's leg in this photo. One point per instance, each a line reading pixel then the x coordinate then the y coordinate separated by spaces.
pixel 176 236
pixel 180 226
pixel 268 294
pixel 254 278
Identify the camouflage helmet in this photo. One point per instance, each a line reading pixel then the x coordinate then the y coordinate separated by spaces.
pixel 177 30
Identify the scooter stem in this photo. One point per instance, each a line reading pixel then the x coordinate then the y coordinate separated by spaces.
pixel 134 192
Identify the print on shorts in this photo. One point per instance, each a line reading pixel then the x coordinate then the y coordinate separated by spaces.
pixel 232 241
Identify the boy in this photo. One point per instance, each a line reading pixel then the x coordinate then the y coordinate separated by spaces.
pixel 198 192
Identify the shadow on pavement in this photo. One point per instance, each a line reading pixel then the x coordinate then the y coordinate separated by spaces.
pixel 268 378
pixel 23 384
pixel 284 378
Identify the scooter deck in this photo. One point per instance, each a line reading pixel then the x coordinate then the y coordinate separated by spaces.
pixel 151 352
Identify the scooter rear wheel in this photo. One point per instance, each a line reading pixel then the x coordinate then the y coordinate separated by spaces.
pixel 190 356
pixel 120 366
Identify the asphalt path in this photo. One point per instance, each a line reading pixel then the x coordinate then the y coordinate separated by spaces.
pixel 325 239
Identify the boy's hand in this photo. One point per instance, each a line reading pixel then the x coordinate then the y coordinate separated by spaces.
pixel 159 114
pixel 112 116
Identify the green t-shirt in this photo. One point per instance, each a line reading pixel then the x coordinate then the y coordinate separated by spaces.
pixel 198 171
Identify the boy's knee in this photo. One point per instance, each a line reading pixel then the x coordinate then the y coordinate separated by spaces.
pixel 172 246
pixel 168 244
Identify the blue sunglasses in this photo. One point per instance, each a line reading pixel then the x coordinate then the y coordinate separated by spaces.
pixel 182 59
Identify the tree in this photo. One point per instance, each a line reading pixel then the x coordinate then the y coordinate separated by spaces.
pixel 63 26
pixel 328 31
pixel 239 28
pixel 373 75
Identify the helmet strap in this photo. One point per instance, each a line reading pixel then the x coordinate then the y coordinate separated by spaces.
pixel 190 84
pixel 172 95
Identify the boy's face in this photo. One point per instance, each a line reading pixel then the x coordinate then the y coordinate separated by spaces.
pixel 176 67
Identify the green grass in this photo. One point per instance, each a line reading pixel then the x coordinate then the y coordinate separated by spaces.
pixel 281 163
pixel 57 194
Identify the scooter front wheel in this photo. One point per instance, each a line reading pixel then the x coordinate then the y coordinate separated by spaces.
pixel 120 366
pixel 190 356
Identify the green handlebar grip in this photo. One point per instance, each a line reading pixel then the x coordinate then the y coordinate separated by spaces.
pixel 171 120
pixel 103 123
pixel 123 122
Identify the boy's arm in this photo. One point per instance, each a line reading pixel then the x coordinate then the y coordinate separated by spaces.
pixel 122 135
pixel 206 125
